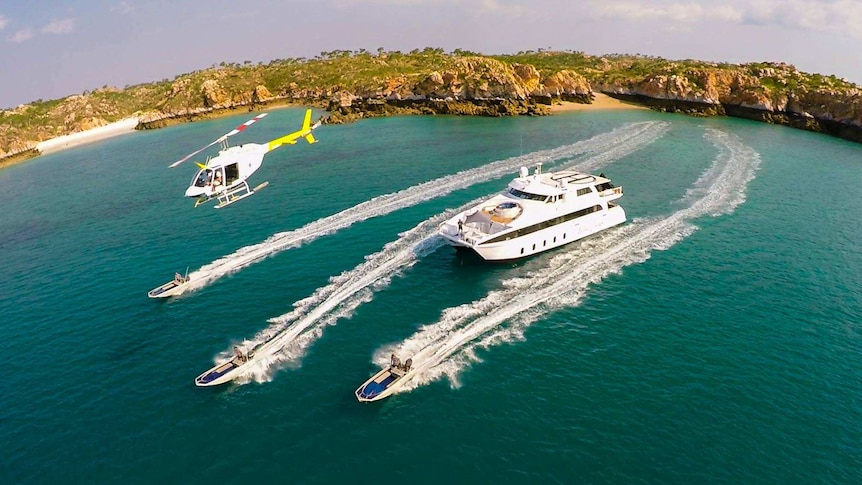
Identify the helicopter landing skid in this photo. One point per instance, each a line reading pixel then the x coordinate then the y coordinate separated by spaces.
pixel 237 193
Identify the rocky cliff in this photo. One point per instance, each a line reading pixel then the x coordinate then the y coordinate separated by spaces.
pixel 356 85
pixel 774 93
pixel 472 86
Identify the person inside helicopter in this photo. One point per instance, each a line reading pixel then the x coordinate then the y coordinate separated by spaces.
pixel 217 183
pixel 204 177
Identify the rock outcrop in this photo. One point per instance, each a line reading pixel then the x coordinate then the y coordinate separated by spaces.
pixel 476 86
pixel 774 94
pixel 565 85
pixel 429 82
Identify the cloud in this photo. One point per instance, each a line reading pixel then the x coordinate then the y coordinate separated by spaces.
pixel 3 22
pixel 59 26
pixel 124 8
pixel 498 7
pixel 21 36
pixel 840 16
pixel 672 11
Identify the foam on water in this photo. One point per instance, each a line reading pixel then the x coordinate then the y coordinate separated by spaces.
pixel 565 280
pixel 601 148
pixel 287 339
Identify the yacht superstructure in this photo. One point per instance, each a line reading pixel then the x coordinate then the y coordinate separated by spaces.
pixel 537 212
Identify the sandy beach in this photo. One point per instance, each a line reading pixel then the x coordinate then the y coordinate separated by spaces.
pixel 600 102
pixel 67 141
pixel 88 136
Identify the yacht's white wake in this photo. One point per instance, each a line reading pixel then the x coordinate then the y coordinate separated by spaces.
pixel 601 149
pixel 289 335
pixel 448 346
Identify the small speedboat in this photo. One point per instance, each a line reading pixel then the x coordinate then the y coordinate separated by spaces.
pixel 176 286
pixel 224 372
pixel 385 382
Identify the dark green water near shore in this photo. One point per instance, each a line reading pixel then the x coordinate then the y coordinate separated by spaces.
pixel 715 337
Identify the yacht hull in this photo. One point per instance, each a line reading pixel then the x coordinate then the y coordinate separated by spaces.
pixel 546 239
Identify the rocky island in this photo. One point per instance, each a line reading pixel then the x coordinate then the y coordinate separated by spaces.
pixel 354 85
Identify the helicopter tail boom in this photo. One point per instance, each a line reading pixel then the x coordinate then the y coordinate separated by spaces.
pixel 290 139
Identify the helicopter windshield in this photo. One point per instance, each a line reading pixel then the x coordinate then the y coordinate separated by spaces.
pixel 203 178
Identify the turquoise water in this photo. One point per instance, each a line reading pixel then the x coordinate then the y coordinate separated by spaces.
pixel 713 338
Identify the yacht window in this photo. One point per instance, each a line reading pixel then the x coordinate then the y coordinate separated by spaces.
pixel 526 195
pixel 544 225
pixel 604 186
pixel 584 191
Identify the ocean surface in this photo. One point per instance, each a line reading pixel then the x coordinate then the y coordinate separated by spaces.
pixel 713 338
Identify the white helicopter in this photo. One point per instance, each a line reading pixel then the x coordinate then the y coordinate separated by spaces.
pixel 224 177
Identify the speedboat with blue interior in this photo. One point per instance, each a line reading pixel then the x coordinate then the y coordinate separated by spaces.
pixel 536 212
pixel 385 382
pixel 226 371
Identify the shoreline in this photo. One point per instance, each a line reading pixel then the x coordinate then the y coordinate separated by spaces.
pixel 129 125
pixel 63 142
pixel 215 113
pixel 600 102
pixel 110 130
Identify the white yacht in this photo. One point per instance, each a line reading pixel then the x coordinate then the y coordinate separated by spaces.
pixel 535 213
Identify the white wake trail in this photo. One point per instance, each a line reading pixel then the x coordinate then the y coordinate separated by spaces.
pixel 289 335
pixel 601 148
pixel 565 280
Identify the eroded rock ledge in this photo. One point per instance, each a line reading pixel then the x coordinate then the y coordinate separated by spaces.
pixel 718 92
pixel 356 86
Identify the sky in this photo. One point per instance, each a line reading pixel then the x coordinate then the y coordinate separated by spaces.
pixel 50 49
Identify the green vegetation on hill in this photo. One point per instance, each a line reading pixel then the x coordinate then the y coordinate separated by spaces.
pixel 367 75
